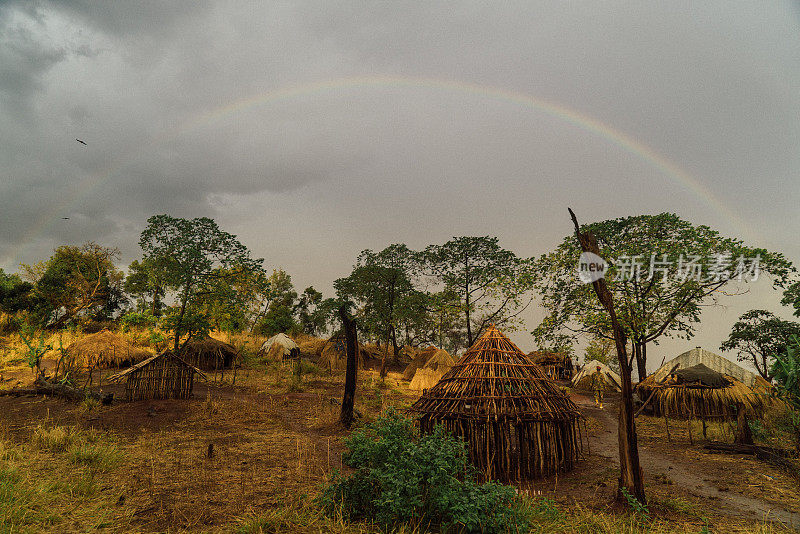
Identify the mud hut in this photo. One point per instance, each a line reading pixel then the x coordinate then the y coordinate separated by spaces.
pixel 583 380
pixel 517 424
pixel 163 376
pixel 556 365
pixel 434 369
pixel 334 354
pixel 278 348
pixel 208 353
pixel 105 350
pixel 699 392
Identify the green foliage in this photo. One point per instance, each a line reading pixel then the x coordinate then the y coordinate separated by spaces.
pixel 194 257
pixel 757 336
pixel 312 313
pixel 35 346
pixel 786 373
pixel 640 509
pixel 279 314
pixel 402 477
pixel 133 320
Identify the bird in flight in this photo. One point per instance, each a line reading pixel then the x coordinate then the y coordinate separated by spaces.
pixel 65 218
pixel 81 142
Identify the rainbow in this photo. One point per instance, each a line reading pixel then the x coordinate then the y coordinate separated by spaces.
pixel 575 118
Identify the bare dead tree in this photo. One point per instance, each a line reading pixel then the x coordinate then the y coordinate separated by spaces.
pixel 351 341
pixel 631 478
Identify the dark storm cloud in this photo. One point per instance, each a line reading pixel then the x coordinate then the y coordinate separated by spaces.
pixel 185 110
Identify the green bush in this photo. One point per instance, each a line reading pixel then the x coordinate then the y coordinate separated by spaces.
pixel 133 320
pixel 402 477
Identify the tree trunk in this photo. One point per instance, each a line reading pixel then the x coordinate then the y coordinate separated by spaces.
pixel 743 434
pixel 178 326
pixel 630 471
pixel 349 325
pixel 641 359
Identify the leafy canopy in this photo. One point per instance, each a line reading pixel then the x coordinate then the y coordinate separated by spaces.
pixel 757 336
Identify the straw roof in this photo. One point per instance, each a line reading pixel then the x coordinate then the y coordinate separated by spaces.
pixel 208 353
pixel 312 347
pixel 105 349
pixel 700 392
pixel 713 361
pixel 279 347
pixel 418 361
pixel 517 423
pixel 432 371
pixel 334 354
pixel 583 380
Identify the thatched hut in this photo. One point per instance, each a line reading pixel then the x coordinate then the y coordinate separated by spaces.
pixel 208 353
pixel 556 365
pixel 278 348
pixel 699 392
pixel 713 361
pixel 583 380
pixel 334 354
pixel 517 424
pixel 163 376
pixel 432 371
pixel 418 361
pixel 105 350
pixel 312 348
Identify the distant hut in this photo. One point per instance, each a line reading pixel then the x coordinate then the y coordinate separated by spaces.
pixel 163 376
pixel 105 350
pixel 713 361
pixel 312 348
pixel 334 354
pixel 517 424
pixel 699 392
pixel 278 348
pixel 556 365
pixel 433 370
pixel 583 380
pixel 418 361
pixel 208 353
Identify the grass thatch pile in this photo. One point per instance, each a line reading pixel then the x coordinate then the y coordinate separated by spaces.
pixel 278 348
pixel 517 424
pixel 334 354
pixel 418 361
pixel 556 365
pixel 208 353
pixel 700 392
pixel 432 371
pixel 105 350
pixel 312 347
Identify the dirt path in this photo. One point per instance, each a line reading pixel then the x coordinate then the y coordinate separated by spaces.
pixel 656 462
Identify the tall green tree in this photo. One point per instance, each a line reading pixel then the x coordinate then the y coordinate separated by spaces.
pixel 197 248
pixel 147 280
pixel 664 269
pixel 75 281
pixel 312 313
pixel 382 288
pixel 757 336
pixel 493 284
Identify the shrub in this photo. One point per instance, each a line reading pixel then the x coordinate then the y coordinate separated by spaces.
pixel 133 320
pixel 402 477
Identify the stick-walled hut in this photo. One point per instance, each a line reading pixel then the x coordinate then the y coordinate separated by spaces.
pixel 556 365
pixel 163 376
pixel 517 424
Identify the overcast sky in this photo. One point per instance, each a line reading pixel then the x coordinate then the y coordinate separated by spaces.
pixel 315 130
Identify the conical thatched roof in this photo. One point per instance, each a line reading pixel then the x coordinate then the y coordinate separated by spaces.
pixel 583 380
pixel 418 361
pixel 106 349
pixel 279 347
pixel 334 354
pixel 432 371
pixel 517 423
pixel 208 353
pixel 701 392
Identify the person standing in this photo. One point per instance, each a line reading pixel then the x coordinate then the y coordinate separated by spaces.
pixel 598 386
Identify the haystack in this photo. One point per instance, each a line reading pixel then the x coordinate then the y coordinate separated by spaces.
pixel 433 370
pixel 699 392
pixel 105 350
pixel 163 376
pixel 208 353
pixel 516 423
pixel 418 361
pixel 583 380
pixel 334 354
pixel 556 365
pixel 278 348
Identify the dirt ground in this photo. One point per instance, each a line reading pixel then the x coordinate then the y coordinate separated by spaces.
pixel 233 451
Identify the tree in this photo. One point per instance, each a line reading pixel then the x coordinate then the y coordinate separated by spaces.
pixel 757 336
pixel 146 279
pixel 351 344
pixel 602 350
pixel 381 287
pixel 786 372
pixel 311 313
pixel 197 247
pixel 492 283
pixel 74 281
pixel 16 295
pixel 663 270
pixel 630 480
pixel 281 297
